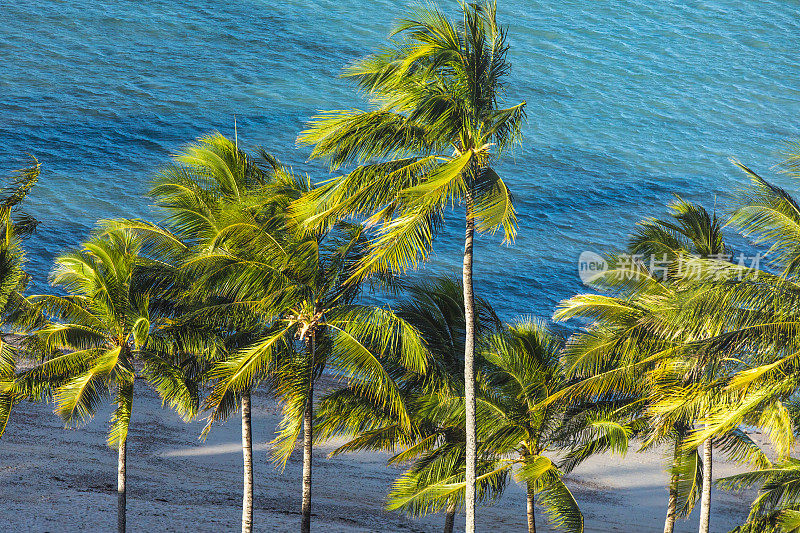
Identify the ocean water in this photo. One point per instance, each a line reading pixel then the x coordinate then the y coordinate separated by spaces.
pixel 629 103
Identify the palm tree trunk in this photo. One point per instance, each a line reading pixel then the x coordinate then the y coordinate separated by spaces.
pixel 122 475
pixel 672 505
pixel 450 519
pixel 705 503
pixel 247 461
pixel 308 420
pixel 531 511
pixel 469 369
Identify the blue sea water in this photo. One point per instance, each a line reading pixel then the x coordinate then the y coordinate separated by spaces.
pixel 629 103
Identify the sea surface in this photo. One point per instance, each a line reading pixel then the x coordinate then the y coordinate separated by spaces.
pixel 629 104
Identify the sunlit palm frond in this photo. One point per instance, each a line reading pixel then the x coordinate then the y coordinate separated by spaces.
pixel 78 398
pixel 770 215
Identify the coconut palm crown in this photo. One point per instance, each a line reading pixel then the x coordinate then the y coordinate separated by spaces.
pixel 436 126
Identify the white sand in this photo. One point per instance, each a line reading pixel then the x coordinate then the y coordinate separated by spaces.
pixel 58 480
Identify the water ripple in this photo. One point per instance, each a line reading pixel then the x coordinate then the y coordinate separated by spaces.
pixel 630 103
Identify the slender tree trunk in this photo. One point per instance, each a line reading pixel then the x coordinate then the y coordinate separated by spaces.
pixel 247 461
pixel 705 503
pixel 531 511
pixel 308 435
pixel 121 479
pixel 469 369
pixel 450 518
pixel 672 505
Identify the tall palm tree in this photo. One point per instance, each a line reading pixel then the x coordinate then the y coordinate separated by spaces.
pixel 14 225
pixel 436 310
pixel 635 346
pixel 314 324
pixel 211 192
pixel 759 311
pixel 435 128
pixel 103 335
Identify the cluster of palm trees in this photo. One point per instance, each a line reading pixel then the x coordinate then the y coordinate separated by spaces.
pixel 254 277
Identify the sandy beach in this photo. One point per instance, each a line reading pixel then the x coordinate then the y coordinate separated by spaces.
pixel 59 480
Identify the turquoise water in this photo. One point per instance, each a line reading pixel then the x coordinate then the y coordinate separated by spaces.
pixel 629 103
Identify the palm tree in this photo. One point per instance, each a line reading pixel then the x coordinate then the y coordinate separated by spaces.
pixel 14 225
pixel 696 232
pixel 524 368
pixel 644 343
pixel 429 141
pixel 314 324
pixel 105 334
pixel 210 193
pixel 759 309
pixel 436 310
pixel 520 369
pixel 211 178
